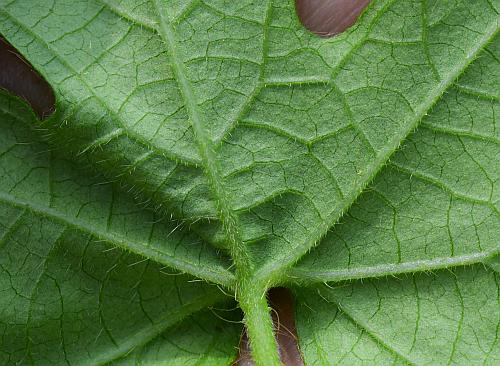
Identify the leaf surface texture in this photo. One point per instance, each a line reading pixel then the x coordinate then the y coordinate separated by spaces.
pixel 379 148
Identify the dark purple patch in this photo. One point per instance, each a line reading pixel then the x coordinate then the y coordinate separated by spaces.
pixel 281 302
pixel 329 17
pixel 18 77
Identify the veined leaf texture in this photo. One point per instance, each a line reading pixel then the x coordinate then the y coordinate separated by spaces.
pixel 259 155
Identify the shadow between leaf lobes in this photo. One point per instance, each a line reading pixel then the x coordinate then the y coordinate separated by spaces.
pixel 18 77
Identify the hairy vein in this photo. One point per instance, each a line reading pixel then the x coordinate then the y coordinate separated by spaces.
pixel 222 277
pixel 372 170
pixel 206 147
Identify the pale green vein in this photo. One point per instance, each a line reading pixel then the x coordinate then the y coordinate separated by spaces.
pixel 103 140
pixel 441 185
pixel 133 136
pixel 371 333
pixel 251 294
pixel 477 93
pixel 221 276
pixel 460 132
pixel 133 18
pixel 12 227
pixel 206 147
pixel 459 325
pixel 307 276
pixel 151 331
pixel 371 171
pixel 33 292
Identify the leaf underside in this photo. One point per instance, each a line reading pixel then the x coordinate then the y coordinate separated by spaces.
pixel 69 291
pixel 258 137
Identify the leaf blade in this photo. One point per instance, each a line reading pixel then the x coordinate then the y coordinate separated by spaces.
pixel 438 189
pixel 368 36
pixel 436 315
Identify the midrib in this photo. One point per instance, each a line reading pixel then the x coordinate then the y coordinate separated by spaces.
pixel 272 269
pixel 206 147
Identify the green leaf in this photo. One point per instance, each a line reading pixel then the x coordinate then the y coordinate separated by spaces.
pixel 233 112
pixel 447 318
pixel 69 292
pixel 437 203
pixel 158 102
pixel 35 181
pixel 204 339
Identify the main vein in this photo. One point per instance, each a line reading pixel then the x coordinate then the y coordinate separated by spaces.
pixel 208 155
pixel 206 148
